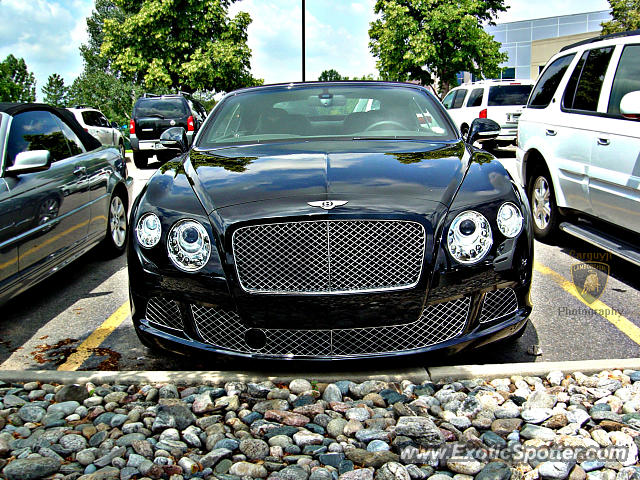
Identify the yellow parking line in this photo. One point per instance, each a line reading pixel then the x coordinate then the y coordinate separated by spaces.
pixel 627 327
pixel 96 338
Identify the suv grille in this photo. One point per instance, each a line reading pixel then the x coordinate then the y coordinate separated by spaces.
pixel 437 323
pixel 329 256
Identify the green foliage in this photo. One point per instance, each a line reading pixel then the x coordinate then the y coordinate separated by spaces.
pixel 626 16
pixel 104 9
pixel 55 92
pixel 427 39
pixel 179 44
pixel 331 76
pixel 17 84
pixel 102 90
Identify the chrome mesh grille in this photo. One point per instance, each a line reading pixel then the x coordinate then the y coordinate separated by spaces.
pixel 165 313
pixel 331 256
pixel 438 323
pixel 498 303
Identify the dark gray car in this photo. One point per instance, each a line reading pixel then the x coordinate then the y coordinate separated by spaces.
pixel 61 193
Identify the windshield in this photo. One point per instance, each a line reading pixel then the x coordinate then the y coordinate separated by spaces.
pixel 160 107
pixel 308 112
pixel 509 95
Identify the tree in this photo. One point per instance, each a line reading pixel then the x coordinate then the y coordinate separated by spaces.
pixel 425 40
pixel 17 84
pixel 331 76
pixel 55 92
pixel 626 16
pixel 184 44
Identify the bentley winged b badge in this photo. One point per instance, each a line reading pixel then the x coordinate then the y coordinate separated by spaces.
pixel 328 204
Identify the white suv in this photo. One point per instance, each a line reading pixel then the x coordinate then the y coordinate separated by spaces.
pixel 500 100
pixel 578 149
pixel 94 122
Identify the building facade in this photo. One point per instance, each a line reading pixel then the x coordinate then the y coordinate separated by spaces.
pixel 531 43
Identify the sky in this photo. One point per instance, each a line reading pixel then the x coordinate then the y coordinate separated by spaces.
pixel 47 34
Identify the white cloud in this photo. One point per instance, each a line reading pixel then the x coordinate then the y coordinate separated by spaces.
pixel 47 34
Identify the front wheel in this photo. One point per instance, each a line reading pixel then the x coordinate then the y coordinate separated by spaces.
pixel 122 150
pixel 543 205
pixel 115 242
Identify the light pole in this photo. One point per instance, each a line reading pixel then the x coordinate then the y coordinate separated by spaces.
pixel 303 39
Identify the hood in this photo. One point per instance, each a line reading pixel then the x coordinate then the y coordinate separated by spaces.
pixel 324 170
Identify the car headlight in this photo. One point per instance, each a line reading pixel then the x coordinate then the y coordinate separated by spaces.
pixel 509 220
pixel 469 238
pixel 189 245
pixel 148 230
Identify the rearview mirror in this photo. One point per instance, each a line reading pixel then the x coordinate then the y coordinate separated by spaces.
pixel 174 138
pixel 114 124
pixel 30 161
pixel 483 130
pixel 630 105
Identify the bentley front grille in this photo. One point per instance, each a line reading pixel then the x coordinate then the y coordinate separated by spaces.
pixel 498 303
pixel 329 256
pixel 165 313
pixel 437 323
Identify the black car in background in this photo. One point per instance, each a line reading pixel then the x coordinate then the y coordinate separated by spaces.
pixel 61 194
pixel 152 115
pixel 330 221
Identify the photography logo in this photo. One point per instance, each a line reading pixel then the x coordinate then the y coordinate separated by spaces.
pixel 590 278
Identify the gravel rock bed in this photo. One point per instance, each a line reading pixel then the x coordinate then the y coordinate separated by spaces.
pixel 312 431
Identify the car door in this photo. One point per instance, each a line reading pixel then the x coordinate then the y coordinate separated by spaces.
pixel 574 137
pixel 108 132
pixel 54 203
pixel 453 103
pixel 614 173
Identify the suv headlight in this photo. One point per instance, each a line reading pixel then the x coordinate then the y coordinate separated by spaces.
pixel 189 245
pixel 509 220
pixel 469 238
pixel 148 230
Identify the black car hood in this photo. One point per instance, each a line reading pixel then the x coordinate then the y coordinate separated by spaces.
pixel 400 169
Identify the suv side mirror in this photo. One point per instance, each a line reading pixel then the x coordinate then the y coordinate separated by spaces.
pixel 30 161
pixel 114 124
pixel 630 105
pixel 174 138
pixel 483 130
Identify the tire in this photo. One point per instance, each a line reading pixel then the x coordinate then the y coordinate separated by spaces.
pixel 122 150
pixel 464 131
pixel 115 243
pixel 140 159
pixel 542 200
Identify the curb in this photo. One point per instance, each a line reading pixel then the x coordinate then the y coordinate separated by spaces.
pixel 415 375
pixel 506 370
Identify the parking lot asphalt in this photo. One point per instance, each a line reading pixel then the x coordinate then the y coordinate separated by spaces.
pixel 78 319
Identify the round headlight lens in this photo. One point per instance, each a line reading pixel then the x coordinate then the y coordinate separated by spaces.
pixel 189 245
pixel 469 238
pixel 148 230
pixel 509 220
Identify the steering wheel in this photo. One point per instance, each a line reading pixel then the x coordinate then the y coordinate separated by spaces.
pixel 385 122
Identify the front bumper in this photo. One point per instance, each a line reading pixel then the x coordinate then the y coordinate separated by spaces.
pixel 154 144
pixel 450 326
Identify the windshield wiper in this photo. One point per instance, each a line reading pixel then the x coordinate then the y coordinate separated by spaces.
pixel 155 115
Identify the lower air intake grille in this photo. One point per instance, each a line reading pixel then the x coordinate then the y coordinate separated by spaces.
pixel 165 313
pixel 438 323
pixel 498 303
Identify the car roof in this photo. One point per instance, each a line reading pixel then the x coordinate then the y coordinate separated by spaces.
pixel 603 38
pixel 341 83
pixel 497 83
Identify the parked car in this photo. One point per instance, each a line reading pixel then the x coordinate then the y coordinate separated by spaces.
pixel 499 100
pixel 302 225
pixel 579 145
pixel 96 124
pixel 61 194
pixel 152 115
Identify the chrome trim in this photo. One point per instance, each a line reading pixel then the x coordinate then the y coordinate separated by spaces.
pixel 324 253
pixel 437 323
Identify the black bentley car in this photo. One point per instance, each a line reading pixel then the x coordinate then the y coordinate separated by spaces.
pixel 61 194
pixel 330 221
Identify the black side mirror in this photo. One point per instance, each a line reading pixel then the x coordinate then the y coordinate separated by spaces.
pixel 30 161
pixel 174 138
pixel 114 124
pixel 483 130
